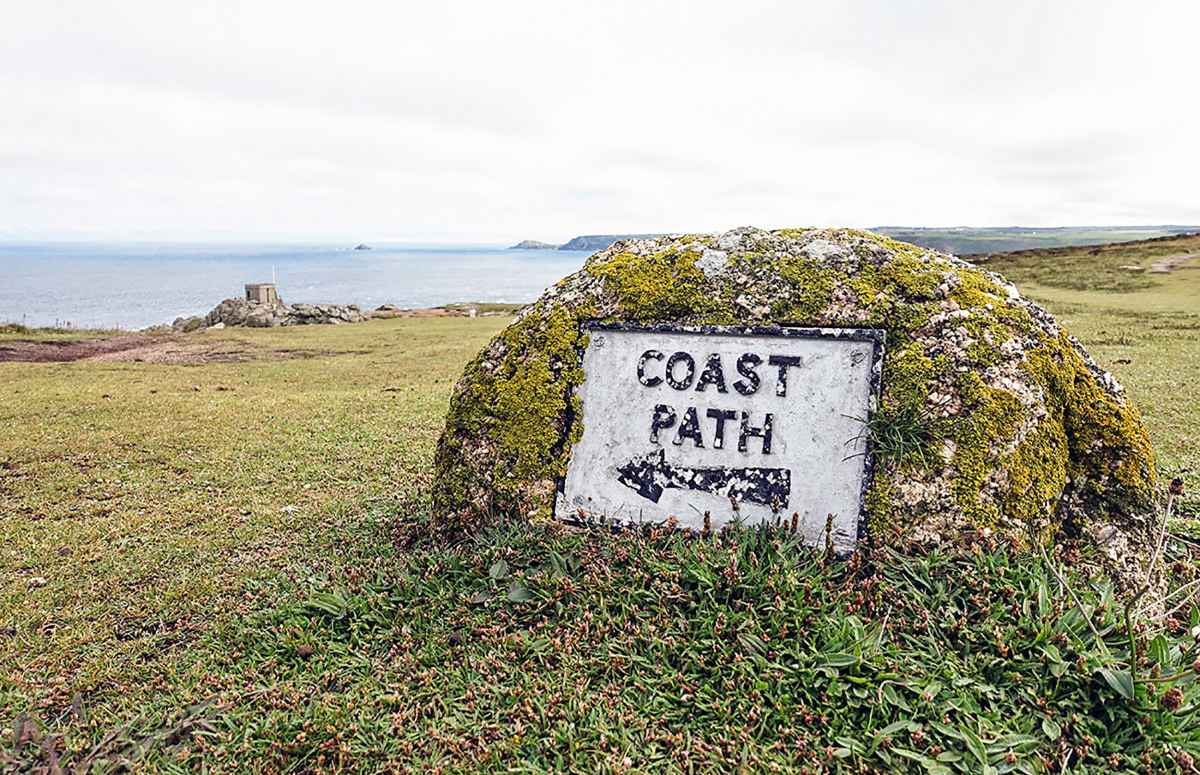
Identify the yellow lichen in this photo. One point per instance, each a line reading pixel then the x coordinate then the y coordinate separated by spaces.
pixel 660 286
pixel 996 460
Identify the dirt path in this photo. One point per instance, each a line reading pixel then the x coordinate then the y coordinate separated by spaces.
pixel 132 348
pixel 69 349
pixel 1166 264
pixel 139 348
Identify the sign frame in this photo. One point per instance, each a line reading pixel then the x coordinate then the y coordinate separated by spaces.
pixel 876 337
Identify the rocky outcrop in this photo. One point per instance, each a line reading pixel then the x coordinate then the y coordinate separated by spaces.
pixel 992 417
pixel 188 324
pixel 240 312
pixel 315 314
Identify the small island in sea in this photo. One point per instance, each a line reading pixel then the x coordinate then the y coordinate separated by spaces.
pixel 532 244
pixel 362 246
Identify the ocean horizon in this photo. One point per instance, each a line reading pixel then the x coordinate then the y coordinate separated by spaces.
pixel 132 285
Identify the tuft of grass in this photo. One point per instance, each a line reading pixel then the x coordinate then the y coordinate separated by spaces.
pixel 10 331
pixel 904 434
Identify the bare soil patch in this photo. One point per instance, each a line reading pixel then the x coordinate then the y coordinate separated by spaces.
pixel 179 351
pixel 136 348
pixel 1167 264
pixel 69 349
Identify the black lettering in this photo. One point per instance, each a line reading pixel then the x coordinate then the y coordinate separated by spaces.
pixel 748 431
pixel 713 374
pixel 721 415
pixel 746 366
pixel 664 417
pixel 686 382
pixel 649 355
pixel 783 362
pixel 690 428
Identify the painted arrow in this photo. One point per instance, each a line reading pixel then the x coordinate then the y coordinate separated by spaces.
pixel 650 475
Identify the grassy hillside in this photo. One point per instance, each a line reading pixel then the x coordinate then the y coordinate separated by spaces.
pixel 1118 267
pixel 202 569
pixel 994 240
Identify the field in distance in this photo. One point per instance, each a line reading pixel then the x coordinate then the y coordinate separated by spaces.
pixel 972 240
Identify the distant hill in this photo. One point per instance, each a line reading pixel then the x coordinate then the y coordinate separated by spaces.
pixel 600 241
pixel 1117 266
pixel 959 240
pixel 964 240
pixel 532 244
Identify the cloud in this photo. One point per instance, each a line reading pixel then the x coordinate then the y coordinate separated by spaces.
pixel 484 121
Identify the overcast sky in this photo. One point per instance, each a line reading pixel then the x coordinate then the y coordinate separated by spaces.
pixel 496 121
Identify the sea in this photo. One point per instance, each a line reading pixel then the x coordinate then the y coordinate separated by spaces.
pixel 132 286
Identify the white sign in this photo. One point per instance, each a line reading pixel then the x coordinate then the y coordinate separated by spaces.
pixel 749 424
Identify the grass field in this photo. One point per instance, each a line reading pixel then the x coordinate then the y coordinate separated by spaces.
pixel 993 240
pixel 199 573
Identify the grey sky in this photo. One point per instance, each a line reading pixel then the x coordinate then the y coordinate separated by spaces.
pixel 498 121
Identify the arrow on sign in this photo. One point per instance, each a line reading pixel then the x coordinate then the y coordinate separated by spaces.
pixel 650 475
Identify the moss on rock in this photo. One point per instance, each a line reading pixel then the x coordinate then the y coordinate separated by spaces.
pixel 1019 428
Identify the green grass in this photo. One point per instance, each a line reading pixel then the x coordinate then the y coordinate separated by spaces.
pixel 963 241
pixel 17 331
pixel 201 570
pixel 138 499
pixel 1103 267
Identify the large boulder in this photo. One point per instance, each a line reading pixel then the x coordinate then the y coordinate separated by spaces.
pixel 992 416
pixel 234 312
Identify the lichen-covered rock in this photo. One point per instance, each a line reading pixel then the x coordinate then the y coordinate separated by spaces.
pixel 1003 422
pixel 254 314
pixel 188 324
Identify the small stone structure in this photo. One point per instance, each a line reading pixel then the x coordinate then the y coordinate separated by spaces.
pixel 992 419
pixel 262 293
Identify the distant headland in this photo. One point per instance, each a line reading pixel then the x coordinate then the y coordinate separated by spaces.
pixel 600 241
pixel 957 240
pixel 532 244
pixel 591 242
